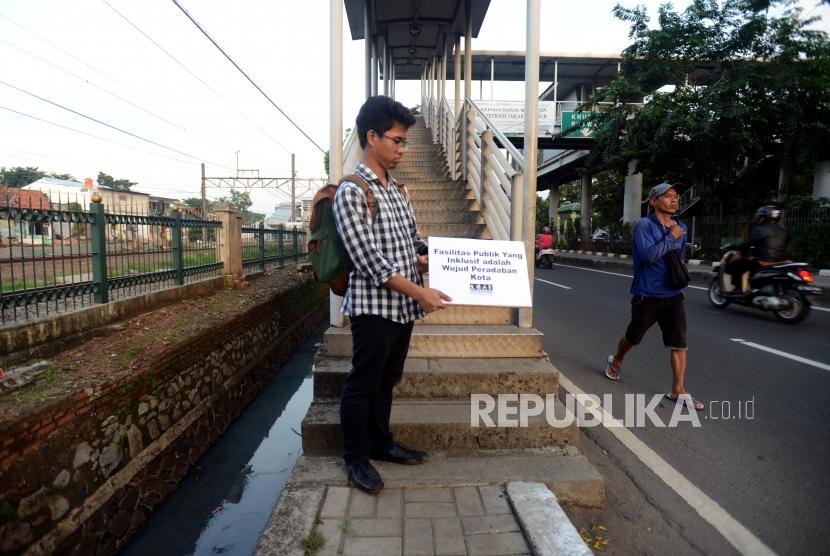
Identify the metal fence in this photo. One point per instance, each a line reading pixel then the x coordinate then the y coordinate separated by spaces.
pixel 263 247
pixel 59 257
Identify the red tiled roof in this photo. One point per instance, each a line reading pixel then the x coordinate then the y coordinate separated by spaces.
pixel 23 198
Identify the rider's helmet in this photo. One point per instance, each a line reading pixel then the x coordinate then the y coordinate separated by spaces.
pixel 767 214
pixel 546 230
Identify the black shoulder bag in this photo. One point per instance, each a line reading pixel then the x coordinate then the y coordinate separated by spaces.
pixel 679 276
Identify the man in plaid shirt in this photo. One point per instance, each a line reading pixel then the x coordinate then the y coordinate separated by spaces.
pixel 385 295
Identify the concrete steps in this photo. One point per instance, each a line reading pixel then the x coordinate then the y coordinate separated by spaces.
pixel 458 204
pixel 426 217
pixel 437 425
pixel 468 314
pixel 472 231
pixel 458 340
pixel 568 474
pixel 417 195
pixel 449 378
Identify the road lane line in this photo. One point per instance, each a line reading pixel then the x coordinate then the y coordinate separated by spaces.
pixel 736 534
pixel 783 354
pixel 554 284
pixel 614 273
pixel 820 308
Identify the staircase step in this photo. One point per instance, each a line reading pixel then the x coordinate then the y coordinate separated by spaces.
pixel 457 340
pixel 469 231
pixel 468 314
pixel 447 217
pixel 570 476
pixel 417 194
pixel 437 426
pixel 449 378
pixel 444 204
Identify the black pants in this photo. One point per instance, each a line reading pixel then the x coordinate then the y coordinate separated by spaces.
pixel 379 348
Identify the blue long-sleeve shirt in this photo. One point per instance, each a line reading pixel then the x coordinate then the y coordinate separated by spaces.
pixel 651 242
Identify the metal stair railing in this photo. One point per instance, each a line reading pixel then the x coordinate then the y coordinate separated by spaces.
pixel 471 146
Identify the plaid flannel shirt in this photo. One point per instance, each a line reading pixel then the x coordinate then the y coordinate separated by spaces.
pixel 379 249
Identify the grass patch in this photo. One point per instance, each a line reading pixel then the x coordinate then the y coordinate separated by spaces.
pixel 38 390
pixel 314 541
pixel 346 526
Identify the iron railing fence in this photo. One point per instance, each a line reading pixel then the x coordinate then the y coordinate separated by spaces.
pixel 263 247
pixel 59 257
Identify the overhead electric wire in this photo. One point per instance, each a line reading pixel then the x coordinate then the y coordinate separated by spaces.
pixel 78 77
pixel 84 63
pixel 258 88
pixel 96 136
pixel 199 79
pixel 56 47
pixel 106 124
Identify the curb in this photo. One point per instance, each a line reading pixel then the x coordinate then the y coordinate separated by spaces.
pixel 546 526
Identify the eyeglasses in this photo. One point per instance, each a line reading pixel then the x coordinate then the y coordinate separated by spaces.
pixel 399 141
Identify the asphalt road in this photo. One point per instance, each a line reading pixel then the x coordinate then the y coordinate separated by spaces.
pixel 764 462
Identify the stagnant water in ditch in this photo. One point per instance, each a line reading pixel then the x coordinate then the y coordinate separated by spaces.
pixel 223 504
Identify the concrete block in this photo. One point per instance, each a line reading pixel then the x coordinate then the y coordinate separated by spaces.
pixel 449 537
pixel 498 544
pixel 548 529
pixel 494 499
pixel 362 504
pixel 291 520
pixel 429 509
pixel 490 524
pixel 428 495
pixel 375 527
pixel 468 502
pixel 337 498
pixel 332 533
pixel 417 539
pixel 372 546
pixel 390 502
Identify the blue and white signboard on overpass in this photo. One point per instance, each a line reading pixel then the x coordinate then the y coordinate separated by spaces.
pixel 509 116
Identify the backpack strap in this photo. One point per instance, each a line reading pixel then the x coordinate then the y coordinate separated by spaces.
pixel 370 196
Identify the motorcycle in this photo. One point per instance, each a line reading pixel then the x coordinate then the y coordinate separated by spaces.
pixel 782 289
pixel 546 257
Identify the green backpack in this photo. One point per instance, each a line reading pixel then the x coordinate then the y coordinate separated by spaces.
pixel 329 259
pixel 328 256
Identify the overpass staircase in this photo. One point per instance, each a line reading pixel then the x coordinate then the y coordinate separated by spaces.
pixel 454 353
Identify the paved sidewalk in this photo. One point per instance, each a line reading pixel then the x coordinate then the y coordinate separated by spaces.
pixel 419 521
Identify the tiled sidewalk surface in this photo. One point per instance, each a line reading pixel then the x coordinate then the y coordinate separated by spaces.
pixel 445 521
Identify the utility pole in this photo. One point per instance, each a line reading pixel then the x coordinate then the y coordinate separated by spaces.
pixel 204 194
pixel 293 184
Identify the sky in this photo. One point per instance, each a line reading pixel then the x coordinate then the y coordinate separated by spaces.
pixel 144 68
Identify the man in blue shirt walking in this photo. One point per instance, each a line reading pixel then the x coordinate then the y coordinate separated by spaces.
pixel 654 299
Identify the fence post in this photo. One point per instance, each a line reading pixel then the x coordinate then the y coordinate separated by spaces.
pixel 99 250
pixel 295 235
pixel 261 238
pixel 230 242
pixel 178 254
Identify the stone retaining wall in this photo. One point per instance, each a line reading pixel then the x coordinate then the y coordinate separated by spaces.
pixel 83 474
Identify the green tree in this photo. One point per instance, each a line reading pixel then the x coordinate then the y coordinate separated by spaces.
pixel 542 214
pixel 749 95
pixel 241 201
pixel 19 176
pixel 119 184
pixel 68 177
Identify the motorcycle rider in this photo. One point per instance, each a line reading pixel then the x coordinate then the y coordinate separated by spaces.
pixel 766 245
pixel 545 239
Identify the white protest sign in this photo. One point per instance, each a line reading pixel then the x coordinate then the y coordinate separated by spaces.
pixel 480 272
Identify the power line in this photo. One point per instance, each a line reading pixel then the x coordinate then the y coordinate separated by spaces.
pixel 78 77
pixel 99 137
pixel 56 47
pixel 199 79
pixel 274 104
pixel 106 124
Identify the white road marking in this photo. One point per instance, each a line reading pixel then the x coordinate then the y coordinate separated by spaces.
pixel 813 307
pixel 784 354
pixel 615 273
pixel 554 284
pixel 736 534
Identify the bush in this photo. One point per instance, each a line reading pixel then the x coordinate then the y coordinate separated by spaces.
pixel 808 242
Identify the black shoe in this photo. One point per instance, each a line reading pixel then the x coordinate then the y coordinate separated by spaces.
pixel 400 454
pixel 365 477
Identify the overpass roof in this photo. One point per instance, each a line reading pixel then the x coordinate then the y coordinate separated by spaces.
pixel 414 29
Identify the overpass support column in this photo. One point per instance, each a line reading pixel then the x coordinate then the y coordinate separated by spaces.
pixel 633 197
pixel 821 181
pixel 553 216
pixel 367 53
pixel 336 123
pixel 586 210
pixel 468 55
